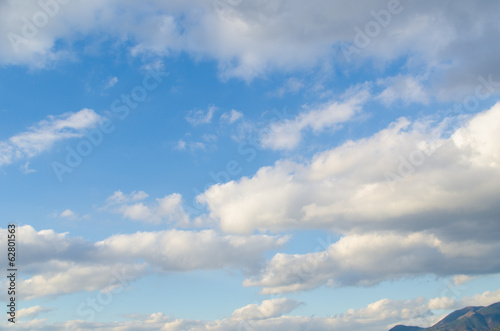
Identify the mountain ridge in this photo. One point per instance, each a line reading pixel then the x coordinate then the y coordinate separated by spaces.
pixel 472 318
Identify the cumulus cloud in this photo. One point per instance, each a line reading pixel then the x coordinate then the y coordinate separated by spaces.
pixel 413 199
pixel 484 299
pixel 371 258
pixel 166 209
pixel 43 135
pixel 59 264
pixel 267 309
pixel 69 277
pixel 287 134
pixel 442 303
pixel 250 39
pixel 32 312
pixel 68 213
pixel 175 250
pixel 459 280
pixel 377 316
pixel 407 177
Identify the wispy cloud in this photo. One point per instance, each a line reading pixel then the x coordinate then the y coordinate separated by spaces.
pixel 405 88
pixel 231 117
pixel 287 134
pixel 26 168
pixel 42 136
pixel 197 117
pixel 291 85
pixel 111 82
pixel 79 265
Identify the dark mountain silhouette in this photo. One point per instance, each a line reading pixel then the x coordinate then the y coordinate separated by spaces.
pixel 465 319
pixel 406 328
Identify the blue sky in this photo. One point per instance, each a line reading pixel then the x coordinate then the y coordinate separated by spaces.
pixel 215 165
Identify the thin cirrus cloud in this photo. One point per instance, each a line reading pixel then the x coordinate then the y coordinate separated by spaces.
pixel 197 117
pixel 42 136
pixel 111 82
pixel 231 117
pixel 292 85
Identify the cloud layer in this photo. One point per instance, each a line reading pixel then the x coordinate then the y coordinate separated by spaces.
pixel 407 177
pixel 274 315
pixel 57 262
pixel 413 199
pixel 250 39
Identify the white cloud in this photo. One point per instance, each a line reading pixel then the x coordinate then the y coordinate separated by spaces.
pixel 69 277
pixel 461 279
pixel 231 117
pixel 371 258
pixel 413 199
pixel 111 82
pixel 44 134
pixel 167 209
pixel 484 299
pixel 118 197
pixel 31 312
pixel 209 138
pixel 59 264
pixel 181 145
pixel 26 168
pixel 287 134
pixel 197 117
pixel 254 38
pixel 68 213
pixel 442 303
pixel 267 309
pixel 175 250
pixel 408 89
pixel 291 85
pixel 192 146
pixel 377 316
pixel 391 180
